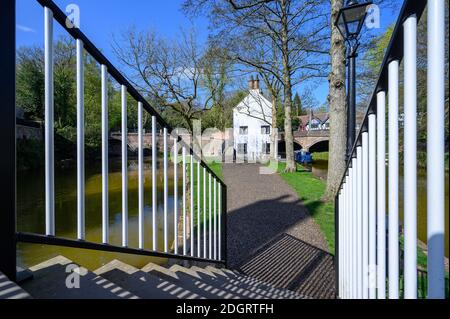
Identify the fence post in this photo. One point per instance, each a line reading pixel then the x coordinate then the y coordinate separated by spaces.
pixel 8 133
pixel 225 228
pixel 436 148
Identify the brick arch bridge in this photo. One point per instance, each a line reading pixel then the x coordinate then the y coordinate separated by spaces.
pixel 314 141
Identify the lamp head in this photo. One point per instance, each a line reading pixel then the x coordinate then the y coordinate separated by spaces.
pixel 351 19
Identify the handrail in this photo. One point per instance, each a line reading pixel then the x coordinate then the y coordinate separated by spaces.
pixel 76 33
pixel 217 188
pixel 394 52
pixel 366 229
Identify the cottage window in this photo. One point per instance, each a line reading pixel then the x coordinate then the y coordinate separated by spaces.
pixel 265 129
pixel 243 130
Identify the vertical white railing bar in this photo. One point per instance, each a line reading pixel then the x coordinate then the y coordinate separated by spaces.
pixel 140 177
pixel 49 126
pixel 204 213
pixel 124 168
pixel 350 231
pixel 175 195
pixel 347 239
pixel 345 283
pixel 166 192
pixel 220 223
pixel 184 202
pixel 410 158
pixel 210 218
pixel 435 147
pixel 215 218
pixel 372 205
pixel 198 208
pixel 365 214
pixel 347 228
pixel 192 204
pixel 381 195
pixel 154 198
pixel 393 240
pixel 355 227
pixel 105 129
pixel 80 143
pixel 359 235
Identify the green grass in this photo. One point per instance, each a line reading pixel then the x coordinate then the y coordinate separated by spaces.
pixel 310 190
pixel 217 169
pixel 320 156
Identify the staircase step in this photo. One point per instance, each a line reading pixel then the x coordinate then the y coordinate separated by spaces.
pixel 250 284
pixel 191 282
pixel 10 290
pixel 50 277
pixel 222 283
pixel 143 284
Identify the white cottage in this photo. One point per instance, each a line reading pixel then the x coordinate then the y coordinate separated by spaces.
pixel 252 119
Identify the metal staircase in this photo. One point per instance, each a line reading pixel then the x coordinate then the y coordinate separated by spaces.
pixel 57 278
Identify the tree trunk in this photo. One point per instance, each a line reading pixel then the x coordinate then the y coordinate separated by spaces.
pixel 337 102
pixel 287 86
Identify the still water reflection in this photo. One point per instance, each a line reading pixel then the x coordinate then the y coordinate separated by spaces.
pixel 31 212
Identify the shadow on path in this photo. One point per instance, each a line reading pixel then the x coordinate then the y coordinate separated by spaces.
pixel 271 235
pixel 287 262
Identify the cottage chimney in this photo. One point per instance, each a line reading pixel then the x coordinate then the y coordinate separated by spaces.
pixel 251 82
pixel 256 83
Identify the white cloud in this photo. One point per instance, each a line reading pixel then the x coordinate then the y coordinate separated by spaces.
pixel 25 28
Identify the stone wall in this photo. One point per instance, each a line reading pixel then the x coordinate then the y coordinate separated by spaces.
pixel 24 132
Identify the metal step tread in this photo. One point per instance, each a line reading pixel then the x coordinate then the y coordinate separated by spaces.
pixel 241 288
pixel 192 283
pixel 266 288
pixel 143 284
pixel 57 278
pixel 10 290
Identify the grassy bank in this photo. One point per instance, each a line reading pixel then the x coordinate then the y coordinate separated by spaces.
pixel 310 190
pixel 320 156
pixel 217 169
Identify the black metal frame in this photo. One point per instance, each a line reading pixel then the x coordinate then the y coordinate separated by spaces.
pixel 57 241
pixel 8 134
pixel 393 52
pixel 8 233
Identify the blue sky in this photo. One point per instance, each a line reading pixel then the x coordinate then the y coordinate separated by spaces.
pixel 100 19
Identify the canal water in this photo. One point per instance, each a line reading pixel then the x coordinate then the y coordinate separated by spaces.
pixel 320 169
pixel 31 213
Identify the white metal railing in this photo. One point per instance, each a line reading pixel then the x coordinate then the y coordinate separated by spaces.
pixel 361 213
pixel 207 247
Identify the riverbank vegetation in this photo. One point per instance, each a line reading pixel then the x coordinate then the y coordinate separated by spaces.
pixel 216 167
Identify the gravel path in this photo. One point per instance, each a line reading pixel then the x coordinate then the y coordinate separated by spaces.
pixel 260 209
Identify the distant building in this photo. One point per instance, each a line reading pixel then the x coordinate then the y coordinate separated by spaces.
pixel 314 122
pixel 252 124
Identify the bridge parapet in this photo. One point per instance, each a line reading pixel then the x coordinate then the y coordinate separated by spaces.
pixel 314 133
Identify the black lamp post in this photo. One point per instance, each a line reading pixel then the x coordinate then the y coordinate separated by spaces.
pixel 349 23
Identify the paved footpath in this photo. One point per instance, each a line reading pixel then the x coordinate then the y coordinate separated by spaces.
pixel 268 228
